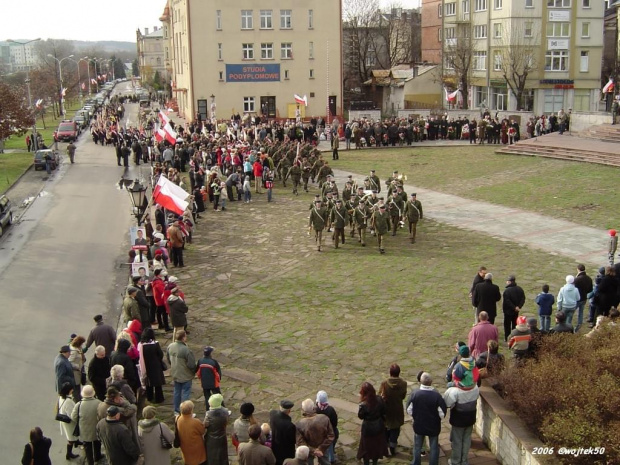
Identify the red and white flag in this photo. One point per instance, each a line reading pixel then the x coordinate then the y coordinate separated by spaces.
pixel 63 91
pixel 163 118
pixel 170 196
pixel 38 103
pixel 453 96
pixel 301 100
pixel 609 87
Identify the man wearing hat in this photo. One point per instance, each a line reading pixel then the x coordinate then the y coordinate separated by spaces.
pixel 282 432
pixel 362 215
pixel 373 179
pixel 209 373
pixel 131 309
pixel 396 207
pixel 339 217
pixel 317 221
pixel 102 335
pixel 413 213
pixel 116 438
pixel 514 299
pixel 381 224
pixel 63 368
pixel 329 186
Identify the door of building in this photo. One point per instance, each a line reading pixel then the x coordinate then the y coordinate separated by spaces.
pixel 332 106
pixel 268 107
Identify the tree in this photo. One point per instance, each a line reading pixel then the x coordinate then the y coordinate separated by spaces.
pixel 516 57
pixel 119 67
pixel 156 81
pixel 393 39
pixel 358 29
pixel 458 61
pixel 135 69
pixel 15 116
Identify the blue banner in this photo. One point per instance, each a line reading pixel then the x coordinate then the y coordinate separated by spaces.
pixel 253 73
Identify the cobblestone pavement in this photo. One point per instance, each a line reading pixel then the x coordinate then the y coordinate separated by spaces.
pixel 287 321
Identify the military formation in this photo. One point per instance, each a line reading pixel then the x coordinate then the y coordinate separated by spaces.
pixel 362 208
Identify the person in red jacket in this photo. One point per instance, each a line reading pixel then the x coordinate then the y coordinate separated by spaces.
pixel 159 286
pixel 258 176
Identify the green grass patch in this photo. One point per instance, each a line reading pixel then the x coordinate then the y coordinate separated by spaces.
pixel 12 166
pixel 580 192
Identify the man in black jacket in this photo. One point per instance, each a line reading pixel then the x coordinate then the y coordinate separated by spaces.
pixel 283 432
pixel 116 438
pixel 514 299
pixel 482 271
pixel 583 283
pixel 485 297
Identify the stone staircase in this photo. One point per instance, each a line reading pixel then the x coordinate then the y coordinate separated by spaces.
pixel 598 146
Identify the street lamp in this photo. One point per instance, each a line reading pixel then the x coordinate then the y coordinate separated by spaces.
pixel 137 193
pixel 62 97
pixel 34 124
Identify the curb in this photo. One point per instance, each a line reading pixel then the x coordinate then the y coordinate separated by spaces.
pixel 18 179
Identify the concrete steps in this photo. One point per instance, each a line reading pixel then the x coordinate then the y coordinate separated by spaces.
pixel 562 153
pixel 602 132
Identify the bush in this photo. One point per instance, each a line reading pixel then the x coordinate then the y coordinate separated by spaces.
pixel 569 395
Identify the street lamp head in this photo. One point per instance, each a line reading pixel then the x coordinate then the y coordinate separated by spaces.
pixel 137 191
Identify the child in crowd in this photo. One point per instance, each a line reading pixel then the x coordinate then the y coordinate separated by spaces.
pixel 247 189
pixel 545 303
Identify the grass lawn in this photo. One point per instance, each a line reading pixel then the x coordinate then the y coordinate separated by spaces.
pixel 51 124
pixel 12 165
pixel 580 192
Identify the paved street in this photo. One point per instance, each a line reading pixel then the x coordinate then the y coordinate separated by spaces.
pixel 63 269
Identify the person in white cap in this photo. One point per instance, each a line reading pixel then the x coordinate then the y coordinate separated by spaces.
pixel 568 298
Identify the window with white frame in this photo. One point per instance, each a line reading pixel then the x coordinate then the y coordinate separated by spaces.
pixel 586 4
pixel 558 29
pixel 583 64
pixel 465 6
pixel 218 20
pixel 497 30
pixel 528 29
pixel 310 19
pixel 585 29
pixel 266 51
pixel 248 104
pixel 266 19
pixel 311 50
pixel 371 55
pixel 219 52
pixel 497 61
pixel 247 20
pixel 286 50
pixel 529 3
pixel 311 75
pixel 439 10
pixel 498 4
pixel 449 63
pixel 480 5
pixel 480 31
pixel 450 33
pixel 450 9
pixel 556 60
pixel 248 51
pixel 480 60
pixel 558 3
pixel 286 19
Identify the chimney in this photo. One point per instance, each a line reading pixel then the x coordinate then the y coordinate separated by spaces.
pixel 146 31
pixel 154 28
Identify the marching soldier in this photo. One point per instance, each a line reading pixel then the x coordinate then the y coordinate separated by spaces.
pixel 381 224
pixel 318 218
pixel 353 182
pixel 296 176
pixel 413 212
pixel 362 215
pixel 348 191
pixel 350 206
pixel 396 205
pixel 323 172
pixel 284 165
pixel 339 217
pixel 305 173
pixel 329 185
pixel 374 182
pixel 329 203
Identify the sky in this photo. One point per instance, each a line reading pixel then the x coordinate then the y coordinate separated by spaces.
pixel 80 20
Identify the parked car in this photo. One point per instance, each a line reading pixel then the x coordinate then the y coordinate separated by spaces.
pixel 39 159
pixel 80 120
pixel 68 131
pixel 6 213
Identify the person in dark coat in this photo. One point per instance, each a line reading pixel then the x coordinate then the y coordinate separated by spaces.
pixel 584 285
pixel 119 444
pixel 373 442
pixel 393 391
pixel 209 372
pixel 485 297
pixel 514 299
pixel 37 451
pixel 178 310
pixel 215 422
pixel 323 408
pixel 120 357
pixel 99 371
pixel 151 366
pixel 101 335
pixel 160 218
pixel 606 292
pixel 482 271
pixel 283 432
pixel 63 368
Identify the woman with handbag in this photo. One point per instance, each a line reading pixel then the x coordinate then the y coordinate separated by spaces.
pixel 37 451
pixel 65 409
pixel 373 443
pixel 156 438
pixel 77 359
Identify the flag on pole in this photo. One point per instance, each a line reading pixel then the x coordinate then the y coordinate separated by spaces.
pixel 170 196
pixel 38 103
pixel 609 87
pixel 301 100
pixel 453 96
pixel 163 118
pixel 63 91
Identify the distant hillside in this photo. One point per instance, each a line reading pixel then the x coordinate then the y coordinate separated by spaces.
pixel 107 45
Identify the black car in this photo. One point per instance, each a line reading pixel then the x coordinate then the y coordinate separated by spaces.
pixel 6 213
pixel 39 159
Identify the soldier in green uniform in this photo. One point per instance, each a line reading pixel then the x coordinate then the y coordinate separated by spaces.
pixel 339 217
pixel 323 172
pixel 353 182
pixel 362 215
pixel 347 191
pixel 395 207
pixel 392 182
pixel 316 166
pixel 329 185
pixel 305 173
pixel 284 166
pixel 295 171
pixel 381 224
pixel 374 182
pixel 413 212
pixel 318 218
pixel 329 202
pixel 350 206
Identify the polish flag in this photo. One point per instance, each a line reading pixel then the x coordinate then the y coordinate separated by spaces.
pixel 160 135
pixel 453 96
pixel 301 100
pixel 170 196
pixel 63 91
pixel 163 118
pixel 609 87
pixel 38 103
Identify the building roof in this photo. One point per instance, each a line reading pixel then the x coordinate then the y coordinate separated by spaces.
pixel 158 33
